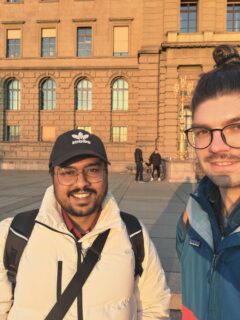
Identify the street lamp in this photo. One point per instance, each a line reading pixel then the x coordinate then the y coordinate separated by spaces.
pixel 182 89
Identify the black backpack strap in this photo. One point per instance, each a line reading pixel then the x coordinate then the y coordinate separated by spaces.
pixel 75 285
pixel 134 230
pixel 19 232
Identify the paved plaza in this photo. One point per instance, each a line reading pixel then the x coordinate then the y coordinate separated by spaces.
pixel 157 204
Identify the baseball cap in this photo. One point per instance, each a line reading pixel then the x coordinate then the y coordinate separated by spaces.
pixel 75 143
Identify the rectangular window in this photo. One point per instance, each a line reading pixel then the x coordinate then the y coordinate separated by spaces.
pixel 13 43
pixel 14 1
pixel 86 128
pixel 119 134
pixel 120 41
pixel 188 16
pixel 233 16
pixel 48 46
pixel 48 133
pixel 84 41
pixel 13 133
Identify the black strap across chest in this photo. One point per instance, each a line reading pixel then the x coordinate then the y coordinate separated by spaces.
pixel 75 285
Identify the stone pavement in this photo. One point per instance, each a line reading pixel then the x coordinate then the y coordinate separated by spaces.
pixel 157 204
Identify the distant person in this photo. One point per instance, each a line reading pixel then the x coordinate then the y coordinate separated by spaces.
pixel 79 262
pixel 139 164
pixel 155 161
pixel 208 232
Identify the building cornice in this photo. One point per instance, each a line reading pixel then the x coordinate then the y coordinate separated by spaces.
pixel 204 39
pixel 85 20
pixel 48 21
pixel 177 45
pixel 13 22
pixel 69 68
pixel 117 19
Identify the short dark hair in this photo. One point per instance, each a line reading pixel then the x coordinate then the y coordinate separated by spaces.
pixel 223 79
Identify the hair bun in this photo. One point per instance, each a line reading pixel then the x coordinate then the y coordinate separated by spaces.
pixel 225 54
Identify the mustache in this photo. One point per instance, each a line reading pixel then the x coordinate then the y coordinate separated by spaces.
pixel 223 156
pixel 89 190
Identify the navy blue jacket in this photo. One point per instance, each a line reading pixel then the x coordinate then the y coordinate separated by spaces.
pixel 209 259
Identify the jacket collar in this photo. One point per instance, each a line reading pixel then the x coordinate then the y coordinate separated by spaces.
pixel 50 214
pixel 208 195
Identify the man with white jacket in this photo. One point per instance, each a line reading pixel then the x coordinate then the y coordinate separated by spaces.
pixel 75 210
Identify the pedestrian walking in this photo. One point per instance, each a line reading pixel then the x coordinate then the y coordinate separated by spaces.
pixel 155 161
pixel 80 260
pixel 208 232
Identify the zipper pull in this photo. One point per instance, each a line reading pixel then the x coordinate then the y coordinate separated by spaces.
pixel 213 266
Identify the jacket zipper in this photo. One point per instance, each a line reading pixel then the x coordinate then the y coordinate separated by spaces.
pixel 211 302
pixel 79 298
pixel 59 280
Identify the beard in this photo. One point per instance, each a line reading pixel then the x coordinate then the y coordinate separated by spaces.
pixel 225 180
pixel 82 210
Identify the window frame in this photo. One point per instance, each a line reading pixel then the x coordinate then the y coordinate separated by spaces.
pixel 120 54
pixel 47 24
pixel 233 13
pixel 118 91
pixel 86 128
pixel 84 26
pixel 14 2
pixel 79 105
pixel 48 47
pixel 121 22
pixel 19 46
pixel 8 136
pixel 42 133
pixel 10 92
pixel 43 1
pixel 119 134
pixel 188 11
pixel 44 92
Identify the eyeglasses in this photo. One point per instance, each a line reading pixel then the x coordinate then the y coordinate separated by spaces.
pixel 67 176
pixel 201 137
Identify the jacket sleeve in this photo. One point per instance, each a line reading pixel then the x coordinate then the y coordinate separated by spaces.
pixel 150 158
pixel 152 293
pixel 5 285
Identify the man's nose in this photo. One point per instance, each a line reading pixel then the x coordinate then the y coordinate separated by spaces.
pixel 81 179
pixel 218 144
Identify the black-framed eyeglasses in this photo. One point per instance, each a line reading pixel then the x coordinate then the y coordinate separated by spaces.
pixel 67 176
pixel 202 137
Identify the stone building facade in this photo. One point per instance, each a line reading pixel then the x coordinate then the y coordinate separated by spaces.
pixel 109 66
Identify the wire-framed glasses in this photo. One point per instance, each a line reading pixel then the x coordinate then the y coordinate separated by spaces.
pixel 202 137
pixel 67 176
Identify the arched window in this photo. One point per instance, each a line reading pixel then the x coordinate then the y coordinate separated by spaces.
pixel 48 95
pixel 84 95
pixel 120 95
pixel 13 95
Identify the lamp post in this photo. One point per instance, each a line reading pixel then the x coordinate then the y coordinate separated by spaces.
pixel 183 89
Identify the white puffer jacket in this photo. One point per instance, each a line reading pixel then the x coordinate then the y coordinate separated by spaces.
pixel 110 292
